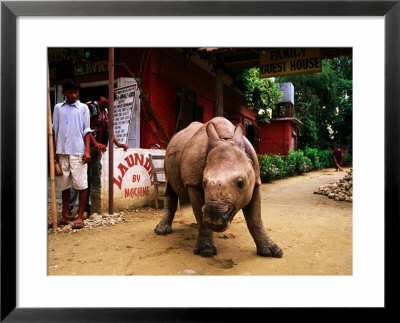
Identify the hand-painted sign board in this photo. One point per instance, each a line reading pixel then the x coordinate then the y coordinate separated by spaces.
pixel 133 181
pixel 123 112
pixel 289 61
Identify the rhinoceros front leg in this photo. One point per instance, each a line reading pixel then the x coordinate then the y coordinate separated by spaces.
pixel 252 213
pixel 205 243
pixel 170 205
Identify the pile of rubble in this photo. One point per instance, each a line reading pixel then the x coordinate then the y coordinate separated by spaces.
pixel 341 190
pixel 94 221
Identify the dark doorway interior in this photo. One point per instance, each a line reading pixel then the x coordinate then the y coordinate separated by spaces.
pixel 92 93
pixel 187 110
pixel 253 135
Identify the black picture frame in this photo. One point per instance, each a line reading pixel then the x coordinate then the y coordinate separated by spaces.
pixel 10 10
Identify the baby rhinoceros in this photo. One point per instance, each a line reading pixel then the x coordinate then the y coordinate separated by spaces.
pixel 216 168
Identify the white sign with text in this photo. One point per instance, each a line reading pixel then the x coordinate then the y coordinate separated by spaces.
pixel 123 111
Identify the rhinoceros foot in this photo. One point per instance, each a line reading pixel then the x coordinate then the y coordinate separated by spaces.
pixel 163 229
pixel 270 251
pixel 205 249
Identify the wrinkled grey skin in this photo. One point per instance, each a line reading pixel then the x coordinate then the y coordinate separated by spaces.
pixel 216 168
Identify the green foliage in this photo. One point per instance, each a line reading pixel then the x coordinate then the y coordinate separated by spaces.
pixel 307 130
pixel 261 94
pixel 268 170
pixel 312 154
pixel 302 164
pixel 273 167
pixel 278 162
pixel 291 167
pixel 347 157
pixel 325 158
pixel 306 165
pixel 341 125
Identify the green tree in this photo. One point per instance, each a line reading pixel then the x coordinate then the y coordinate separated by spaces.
pixel 307 130
pixel 342 124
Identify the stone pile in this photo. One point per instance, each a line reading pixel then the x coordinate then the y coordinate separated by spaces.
pixel 94 221
pixel 341 190
pixel 105 220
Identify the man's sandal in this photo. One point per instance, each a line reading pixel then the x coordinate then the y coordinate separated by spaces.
pixel 78 225
pixel 62 222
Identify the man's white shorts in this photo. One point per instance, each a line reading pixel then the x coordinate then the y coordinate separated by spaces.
pixel 74 173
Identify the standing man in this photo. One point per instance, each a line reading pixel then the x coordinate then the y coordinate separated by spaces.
pixel 99 140
pixel 71 125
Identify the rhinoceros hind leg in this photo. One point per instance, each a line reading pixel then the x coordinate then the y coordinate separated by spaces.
pixel 170 205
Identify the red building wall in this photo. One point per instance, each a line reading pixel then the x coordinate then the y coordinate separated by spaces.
pixel 208 107
pixel 163 102
pixel 167 71
pixel 276 137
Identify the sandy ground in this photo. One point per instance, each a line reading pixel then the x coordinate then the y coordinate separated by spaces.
pixel 314 232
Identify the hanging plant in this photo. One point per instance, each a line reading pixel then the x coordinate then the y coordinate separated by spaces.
pixel 260 94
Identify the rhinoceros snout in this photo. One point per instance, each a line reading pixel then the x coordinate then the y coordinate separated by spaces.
pixel 217 215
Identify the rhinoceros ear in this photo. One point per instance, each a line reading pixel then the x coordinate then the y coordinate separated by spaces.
pixel 212 133
pixel 238 135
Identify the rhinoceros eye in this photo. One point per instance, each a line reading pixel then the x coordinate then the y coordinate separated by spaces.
pixel 240 182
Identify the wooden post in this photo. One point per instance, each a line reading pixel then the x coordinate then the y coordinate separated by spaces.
pixel 219 91
pixel 110 131
pixel 51 157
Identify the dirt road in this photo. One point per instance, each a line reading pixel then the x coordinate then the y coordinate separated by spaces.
pixel 314 232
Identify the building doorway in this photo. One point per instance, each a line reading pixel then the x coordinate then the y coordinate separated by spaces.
pixel 252 134
pixel 187 110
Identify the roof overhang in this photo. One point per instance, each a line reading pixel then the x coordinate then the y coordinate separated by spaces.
pixel 238 59
pixel 291 119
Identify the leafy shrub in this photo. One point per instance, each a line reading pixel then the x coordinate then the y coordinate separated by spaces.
pixel 301 163
pixel 347 157
pixel 291 168
pixel 268 171
pixel 325 158
pixel 312 154
pixel 273 167
pixel 279 163
pixel 305 165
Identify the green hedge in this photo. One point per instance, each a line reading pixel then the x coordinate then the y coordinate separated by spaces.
pixel 273 167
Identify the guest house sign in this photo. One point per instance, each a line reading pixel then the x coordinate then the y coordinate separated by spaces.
pixel 124 101
pixel 289 61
